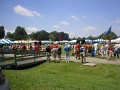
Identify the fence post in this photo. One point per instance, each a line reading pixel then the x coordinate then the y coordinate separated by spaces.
pixel 1 56
pixel 34 56
pixel 15 57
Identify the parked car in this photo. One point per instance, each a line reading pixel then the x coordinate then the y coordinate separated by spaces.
pixel 4 85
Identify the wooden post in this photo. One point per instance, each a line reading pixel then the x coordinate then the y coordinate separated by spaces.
pixel 22 55
pixel 2 56
pixel 34 56
pixel 15 57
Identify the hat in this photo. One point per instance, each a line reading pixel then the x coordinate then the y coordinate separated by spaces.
pixel 66 43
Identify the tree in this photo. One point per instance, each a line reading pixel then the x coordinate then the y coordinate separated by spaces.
pixel 90 37
pixel 61 35
pixel 31 36
pixel 44 35
pixel 40 35
pixel 20 33
pixel 2 32
pixel 10 35
pixel 66 36
pixel 51 36
pixel 55 35
pixel 110 36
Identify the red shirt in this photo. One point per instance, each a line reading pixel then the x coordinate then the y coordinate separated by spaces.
pixel 36 47
pixel 111 48
pixel 77 47
pixel 51 46
pixel 24 47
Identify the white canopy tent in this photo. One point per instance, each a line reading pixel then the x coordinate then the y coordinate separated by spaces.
pixel 88 41
pixel 116 40
pixel 99 40
pixel 26 41
pixel 73 41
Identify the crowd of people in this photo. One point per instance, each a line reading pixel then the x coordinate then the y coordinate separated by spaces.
pixel 80 50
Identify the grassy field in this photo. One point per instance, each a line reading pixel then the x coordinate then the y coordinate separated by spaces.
pixel 65 76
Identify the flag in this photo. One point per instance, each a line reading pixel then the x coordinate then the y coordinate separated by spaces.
pixel 108 32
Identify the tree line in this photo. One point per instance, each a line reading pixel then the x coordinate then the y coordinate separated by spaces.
pixel 21 34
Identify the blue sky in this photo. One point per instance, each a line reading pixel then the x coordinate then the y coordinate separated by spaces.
pixel 79 18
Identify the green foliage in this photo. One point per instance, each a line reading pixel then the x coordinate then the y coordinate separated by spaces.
pixel 43 35
pixel 10 35
pixel 110 36
pixel 2 32
pixel 55 34
pixel 20 33
pixel 51 37
pixel 65 76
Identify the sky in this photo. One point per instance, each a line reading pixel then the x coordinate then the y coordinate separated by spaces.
pixel 78 18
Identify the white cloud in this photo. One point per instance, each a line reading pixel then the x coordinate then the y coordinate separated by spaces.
pixel 25 12
pixel 8 30
pixel 31 29
pixel 118 28
pixel 37 14
pixel 89 28
pixel 64 23
pixel 117 20
pixel 56 26
pixel 84 17
pixel 74 17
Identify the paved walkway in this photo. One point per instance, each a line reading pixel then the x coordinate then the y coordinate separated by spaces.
pixel 93 60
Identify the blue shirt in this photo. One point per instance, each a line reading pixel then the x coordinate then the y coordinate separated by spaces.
pixel 66 48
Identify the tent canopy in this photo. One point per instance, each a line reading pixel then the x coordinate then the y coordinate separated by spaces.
pixel 6 41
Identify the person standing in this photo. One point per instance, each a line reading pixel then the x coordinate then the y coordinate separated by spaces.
pixel 77 51
pixel 83 40
pixel 59 51
pixel 96 48
pixel 110 51
pixel 107 51
pixel 93 51
pixel 48 53
pixel 83 54
pixel 54 52
pixel 102 50
pixel 67 52
pixel 116 52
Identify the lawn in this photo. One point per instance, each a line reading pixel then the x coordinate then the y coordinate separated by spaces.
pixel 65 76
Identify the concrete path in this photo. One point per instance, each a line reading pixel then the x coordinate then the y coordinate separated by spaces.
pixel 93 60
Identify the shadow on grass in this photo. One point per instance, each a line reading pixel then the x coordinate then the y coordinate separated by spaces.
pixel 26 66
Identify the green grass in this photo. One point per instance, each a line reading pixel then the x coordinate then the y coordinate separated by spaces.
pixel 65 76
